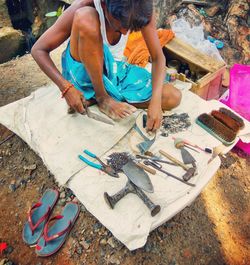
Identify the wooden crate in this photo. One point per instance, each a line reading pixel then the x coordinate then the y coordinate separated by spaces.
pixel 209 85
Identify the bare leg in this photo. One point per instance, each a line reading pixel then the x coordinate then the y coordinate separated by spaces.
pixel 171 98
pixel 86 46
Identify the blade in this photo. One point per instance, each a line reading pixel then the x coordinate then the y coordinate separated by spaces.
pixel 187 157
pixel 98 117
pixel 138 176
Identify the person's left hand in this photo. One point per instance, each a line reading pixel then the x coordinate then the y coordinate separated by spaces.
pixel 154 117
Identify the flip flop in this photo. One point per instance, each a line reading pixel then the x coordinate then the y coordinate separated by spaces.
pixel 54 236
pixel 38 215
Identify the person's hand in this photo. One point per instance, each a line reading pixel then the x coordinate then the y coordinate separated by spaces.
pixel 75 100
pixel 154 117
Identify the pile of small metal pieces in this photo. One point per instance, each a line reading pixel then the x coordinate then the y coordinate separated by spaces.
pixel 175 123
pixel 118 160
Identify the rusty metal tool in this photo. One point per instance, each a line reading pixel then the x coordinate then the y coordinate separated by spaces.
pixel 132 188
pixel 191 171
pixel 97 117
pixel 138 176
pixel 159 167
pixel 156 159
pixel 186 156
pixel 144 146
pixel 102 166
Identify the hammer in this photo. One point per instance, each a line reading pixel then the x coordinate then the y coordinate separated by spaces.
pixel 191 171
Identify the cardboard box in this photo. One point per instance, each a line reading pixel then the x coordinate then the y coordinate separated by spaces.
pixel 209 71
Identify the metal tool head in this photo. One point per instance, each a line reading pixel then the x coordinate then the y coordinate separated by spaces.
pixel 110 171
pixel 97 117
pixel 187 157
pixel 189 174
pixel 138 176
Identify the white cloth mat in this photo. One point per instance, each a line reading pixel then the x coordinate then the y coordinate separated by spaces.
pixel 42 121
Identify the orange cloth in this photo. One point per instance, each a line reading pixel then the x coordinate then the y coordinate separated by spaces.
pixel 136 50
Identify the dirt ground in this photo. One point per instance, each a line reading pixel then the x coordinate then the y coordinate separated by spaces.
pixel 213 230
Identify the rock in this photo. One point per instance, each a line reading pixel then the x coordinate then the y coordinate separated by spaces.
pixel 85 244
pixel 114 260
pixel 3 261
pixel 212 11
pixel 148 247
pixel 79 250
pixel 37 27
pixel 30 167
pixel 62 195
pixel 4 15
pixel 97 227
pixel 83 208
pixel 12 42
pixel 103 241
pixel 111 242
pixel 62 202
pixel 12 187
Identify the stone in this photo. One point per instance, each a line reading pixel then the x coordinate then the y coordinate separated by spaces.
pixel 114 260
pixel 103 241
pixel 12 187
pixel 4 15
pixel 79 250
pixel 85 244
pixel 62 195
pixel 111 242
pixel 30 167
pixel 3 261
pixel 37 27
pixel 12 42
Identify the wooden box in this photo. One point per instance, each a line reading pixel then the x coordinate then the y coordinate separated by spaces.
pixel 211 71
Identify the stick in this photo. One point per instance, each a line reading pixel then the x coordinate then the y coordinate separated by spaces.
pixel 174 160
pixel 148 169
pixel 6 139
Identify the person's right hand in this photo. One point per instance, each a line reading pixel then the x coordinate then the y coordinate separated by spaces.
pixel 75 100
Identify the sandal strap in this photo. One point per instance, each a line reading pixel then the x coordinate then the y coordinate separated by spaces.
pixel 43 218
pixel 46 229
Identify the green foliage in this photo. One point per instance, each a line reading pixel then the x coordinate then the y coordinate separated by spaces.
pixel 57 13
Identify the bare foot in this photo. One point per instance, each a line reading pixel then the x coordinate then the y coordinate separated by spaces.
pixel 114 109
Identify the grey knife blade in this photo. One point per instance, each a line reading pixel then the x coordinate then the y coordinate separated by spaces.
pixel 187 157
pixel 138 176
pixel 97 117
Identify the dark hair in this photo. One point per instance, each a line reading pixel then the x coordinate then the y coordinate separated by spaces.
pixel 133 14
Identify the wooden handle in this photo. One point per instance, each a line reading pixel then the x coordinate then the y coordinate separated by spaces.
pixel 176 161
pixel 148 169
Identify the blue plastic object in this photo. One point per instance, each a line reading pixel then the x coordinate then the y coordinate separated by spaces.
pixel 92 164
pixel 218 43
pixel 89 153
pixel 48 199
pixel 70 214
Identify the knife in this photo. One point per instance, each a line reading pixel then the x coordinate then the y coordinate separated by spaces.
pixel 96 116
pixel 138 176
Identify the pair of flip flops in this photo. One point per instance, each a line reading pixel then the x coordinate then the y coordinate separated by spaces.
pixel 38 229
